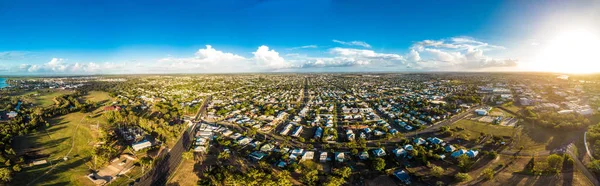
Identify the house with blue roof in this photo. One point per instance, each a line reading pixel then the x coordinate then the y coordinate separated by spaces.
pixel 318 132
pixel 399 152
pixel 435 140
pixel 257 155
pixel 457 153
pixel 379 152
pixel 408 147
pixel 449 148
pixel 419 141
pixel 472 153
pixel 402 176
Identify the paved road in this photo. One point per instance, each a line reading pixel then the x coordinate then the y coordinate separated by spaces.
pixel 582 167
pixel 168 162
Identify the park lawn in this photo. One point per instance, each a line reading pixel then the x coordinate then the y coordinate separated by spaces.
pixel 513 108
pixel 473 129
pixel 56 141
pixel 504 113
pixel 97 96
pixel 46 99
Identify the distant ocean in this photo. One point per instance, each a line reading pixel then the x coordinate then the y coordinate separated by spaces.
pixel 3 83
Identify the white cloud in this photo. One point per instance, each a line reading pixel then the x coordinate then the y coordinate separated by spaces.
pixel 458 43
pixel 206 55
pixel 304 47
pixel 270 59
pixel 60 66
pixel 413 55
pixel 458 53
pixel 353 43
pixel 348 57
pixel 13 55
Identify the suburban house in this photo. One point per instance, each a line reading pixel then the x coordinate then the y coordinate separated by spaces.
pixel 141 145
pixel 379 152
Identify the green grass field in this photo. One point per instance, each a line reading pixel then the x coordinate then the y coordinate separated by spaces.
pixel 473 129
pixel 513 108
pixel 43 98
pixel 97 96
pixel 57 141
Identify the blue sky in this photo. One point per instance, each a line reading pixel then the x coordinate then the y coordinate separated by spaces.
pixel 97 37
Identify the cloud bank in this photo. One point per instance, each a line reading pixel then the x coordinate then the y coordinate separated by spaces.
pixel 456 54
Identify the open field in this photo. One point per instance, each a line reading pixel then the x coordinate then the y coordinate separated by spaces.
pixel 501 112
pixel 539 139
pixel 70 136
pixel 512 174
pixel 511 107
pixel 473 129
pixel 97 96
pixel 43 98
pixel 186 174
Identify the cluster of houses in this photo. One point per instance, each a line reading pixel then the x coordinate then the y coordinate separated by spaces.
pixel 204 134
pixel 136 137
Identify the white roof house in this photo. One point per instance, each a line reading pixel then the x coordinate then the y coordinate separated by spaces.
pixel 141 145
pixel 339 157
pixel 323 157
pixel 399 152
pixel 308 155
pixel 12 114
pixel 481 112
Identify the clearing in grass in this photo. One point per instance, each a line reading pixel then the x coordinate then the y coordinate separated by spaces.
pixel 473 129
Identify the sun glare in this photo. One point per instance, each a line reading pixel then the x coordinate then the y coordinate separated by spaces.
pixel 575 51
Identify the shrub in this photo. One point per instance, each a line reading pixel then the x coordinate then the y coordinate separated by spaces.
pixel 488 174
pixel 462 177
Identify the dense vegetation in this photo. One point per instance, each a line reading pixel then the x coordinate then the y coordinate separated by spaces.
pixel 554 120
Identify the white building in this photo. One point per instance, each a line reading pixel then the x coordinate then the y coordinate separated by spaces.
pixel 141 145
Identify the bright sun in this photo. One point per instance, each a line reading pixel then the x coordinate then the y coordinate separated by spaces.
pixel 575 51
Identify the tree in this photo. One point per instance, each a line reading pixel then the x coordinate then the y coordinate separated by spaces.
pixel 5 175
pixel 334 181
pixel 464 163
pixel 283 178
pixel 555 162
pixel 437 171
pixel 344 172
pixel 301 139
pixel 531 164
pixel 311 177
pixel 187 155
pixel 488 174
pixel 594 166
pixel 223 156
pixel 378 164
pixel 493 154
pixel 145 162
pixel 354 151
pixel 17 168
pixel 462 177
